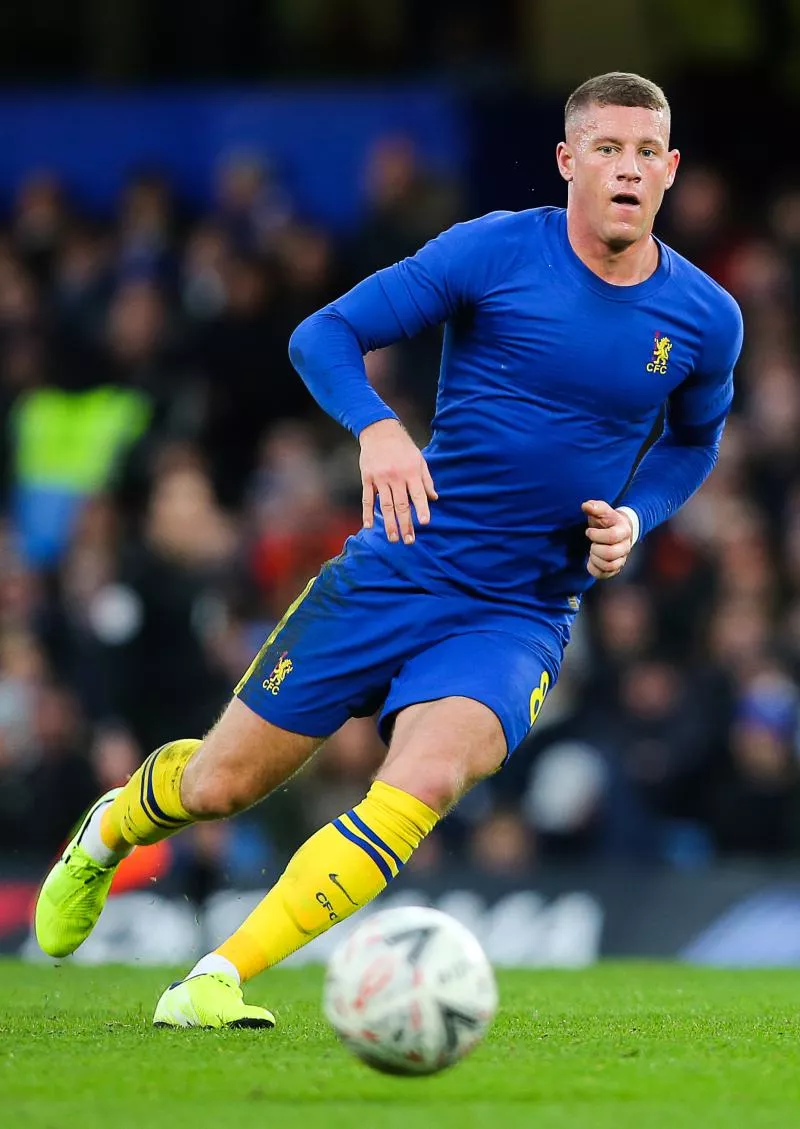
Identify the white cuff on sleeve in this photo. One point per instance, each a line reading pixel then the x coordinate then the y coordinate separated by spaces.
pixel 632 514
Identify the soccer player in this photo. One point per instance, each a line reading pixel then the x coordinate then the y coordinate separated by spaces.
pixel 573 339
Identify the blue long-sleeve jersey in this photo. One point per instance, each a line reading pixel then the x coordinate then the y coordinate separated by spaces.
pixel 553 383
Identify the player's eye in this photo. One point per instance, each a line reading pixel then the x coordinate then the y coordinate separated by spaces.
pixel 648 152
pixel 606 149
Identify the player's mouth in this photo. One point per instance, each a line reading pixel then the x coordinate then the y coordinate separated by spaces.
pixel 626 200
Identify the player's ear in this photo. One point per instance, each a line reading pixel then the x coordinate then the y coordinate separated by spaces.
pixel 565 160
pixel 673 160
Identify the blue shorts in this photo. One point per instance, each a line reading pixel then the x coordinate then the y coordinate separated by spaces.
pixel 362 638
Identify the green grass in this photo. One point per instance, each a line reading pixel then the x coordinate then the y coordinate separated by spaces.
pixel 612 1047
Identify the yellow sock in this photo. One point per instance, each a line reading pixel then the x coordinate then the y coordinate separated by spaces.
pixel 334 873
pixel 149 808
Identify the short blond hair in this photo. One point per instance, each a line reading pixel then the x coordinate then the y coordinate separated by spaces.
pixel 617 88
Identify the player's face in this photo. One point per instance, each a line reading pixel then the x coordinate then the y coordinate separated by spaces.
pixel 618 164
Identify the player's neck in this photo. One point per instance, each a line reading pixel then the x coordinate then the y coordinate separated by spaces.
pixel 631 265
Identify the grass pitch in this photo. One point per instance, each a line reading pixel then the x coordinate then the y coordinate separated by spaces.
pixel 612 1047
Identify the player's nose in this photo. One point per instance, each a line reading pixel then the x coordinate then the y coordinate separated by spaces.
pixel 629 174
pixel 628 168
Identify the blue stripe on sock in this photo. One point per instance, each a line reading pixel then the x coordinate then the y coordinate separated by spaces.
pixel 142 800
pixel 156 814
pixel 376 839
pixel 367 848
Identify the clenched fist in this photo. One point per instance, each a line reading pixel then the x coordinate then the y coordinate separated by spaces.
pixel 612 534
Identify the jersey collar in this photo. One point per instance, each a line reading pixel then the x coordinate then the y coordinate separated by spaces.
pixel 607 289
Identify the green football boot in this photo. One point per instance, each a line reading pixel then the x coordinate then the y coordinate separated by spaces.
pixel 73 894
pixel 210 999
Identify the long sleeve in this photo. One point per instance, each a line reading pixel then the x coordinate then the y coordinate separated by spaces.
pixel 667 477
pixel 328 352
pixel 328 348
pixel 680 461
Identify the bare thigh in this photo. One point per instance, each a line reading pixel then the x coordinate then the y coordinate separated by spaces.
pixel 440 749
pixel 241 760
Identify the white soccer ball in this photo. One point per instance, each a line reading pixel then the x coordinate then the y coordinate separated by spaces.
pixel 410 991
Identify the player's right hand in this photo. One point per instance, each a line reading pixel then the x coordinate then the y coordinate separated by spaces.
pixel 392 467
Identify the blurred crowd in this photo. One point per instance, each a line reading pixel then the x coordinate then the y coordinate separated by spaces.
pixel 168 487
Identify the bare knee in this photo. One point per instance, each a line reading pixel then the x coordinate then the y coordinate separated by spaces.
pixel 440 789
pixel 211 792
pixel 241 761
pixel 441 749
pixel 439 783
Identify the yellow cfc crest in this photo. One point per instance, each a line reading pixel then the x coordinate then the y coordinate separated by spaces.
pixel 661 350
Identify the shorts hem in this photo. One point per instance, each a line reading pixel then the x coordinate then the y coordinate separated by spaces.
pixel 297 723
pixel 389 714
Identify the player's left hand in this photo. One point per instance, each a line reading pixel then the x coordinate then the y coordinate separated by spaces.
pixel 610 532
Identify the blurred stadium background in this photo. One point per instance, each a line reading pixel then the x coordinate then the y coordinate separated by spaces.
pixel 180 184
